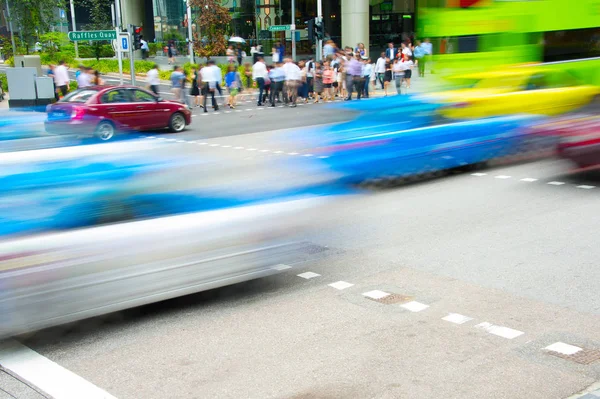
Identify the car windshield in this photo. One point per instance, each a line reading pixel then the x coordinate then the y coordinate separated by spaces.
pixel 79 96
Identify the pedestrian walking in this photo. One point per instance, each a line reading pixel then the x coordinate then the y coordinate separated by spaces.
pixel 233 82
pixel 177 78
pixel 327 82
pixel 153 79
pixel 388 76
pixel 419 56
pixel 277 76
pixel 144 47
pixel 96 79
pixel 170 53
pixel 293 77
pixel 318 82
pixel 259 74
pixel 211 77
pixel 398 74
pixel 367 72
pixel 85 78
pixel 195 89
pixel 61 79
pixel 380 69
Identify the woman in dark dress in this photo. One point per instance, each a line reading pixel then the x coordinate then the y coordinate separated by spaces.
pixel 195 90
pixel 388 75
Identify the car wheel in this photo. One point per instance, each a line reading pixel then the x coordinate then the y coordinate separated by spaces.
pixel 177 122
pixel 105 131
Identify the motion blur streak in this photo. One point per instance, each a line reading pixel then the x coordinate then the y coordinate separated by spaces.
pixel 84 273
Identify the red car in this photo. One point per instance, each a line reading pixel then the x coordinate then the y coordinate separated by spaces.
pixel 104 111
pixel 580 140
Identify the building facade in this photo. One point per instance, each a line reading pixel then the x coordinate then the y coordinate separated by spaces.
pixel 347 22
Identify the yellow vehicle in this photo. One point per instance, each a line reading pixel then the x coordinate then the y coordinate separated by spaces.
pixel 529 89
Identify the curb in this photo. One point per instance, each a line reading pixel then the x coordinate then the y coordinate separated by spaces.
pixel 591 392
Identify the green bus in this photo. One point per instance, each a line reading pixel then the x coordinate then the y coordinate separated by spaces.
pixel 491 33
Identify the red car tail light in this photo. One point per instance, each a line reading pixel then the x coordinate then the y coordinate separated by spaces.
pixel 77 113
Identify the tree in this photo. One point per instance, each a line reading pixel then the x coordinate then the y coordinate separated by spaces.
pixel 100 17
pixel 33 17
pixel 213 23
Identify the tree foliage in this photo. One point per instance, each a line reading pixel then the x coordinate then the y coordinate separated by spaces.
pixel 100 19
pixel 213 23
pixel 33 17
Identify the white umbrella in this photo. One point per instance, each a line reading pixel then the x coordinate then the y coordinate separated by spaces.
pixel 237 39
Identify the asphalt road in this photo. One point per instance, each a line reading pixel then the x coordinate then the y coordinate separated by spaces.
pixel 487 270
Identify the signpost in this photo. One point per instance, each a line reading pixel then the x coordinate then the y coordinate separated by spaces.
pixel 93 35
pixel 281 28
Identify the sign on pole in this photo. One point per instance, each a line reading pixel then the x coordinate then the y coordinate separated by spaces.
pixel 94 35
pixel 280 28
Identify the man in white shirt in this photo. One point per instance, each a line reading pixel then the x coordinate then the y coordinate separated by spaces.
pixel 211 79
pixel 61 78
pixel 367 72
pixel 406 52
pixel 84 79
pixel 380 68
pixel 259 73
pixel 153 79
pixel 144 47
pixel 293 77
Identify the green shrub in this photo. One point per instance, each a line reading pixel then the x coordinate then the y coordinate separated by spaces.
pixel 105 50
pixel 155 48
pixel 72 85
pixel 4 82
pixel 47 59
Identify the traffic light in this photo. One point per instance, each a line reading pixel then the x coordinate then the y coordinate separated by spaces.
pixel 320 30
pixel 310 27
pixel 137 37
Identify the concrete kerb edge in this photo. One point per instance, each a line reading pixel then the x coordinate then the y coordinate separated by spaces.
pixel 593 389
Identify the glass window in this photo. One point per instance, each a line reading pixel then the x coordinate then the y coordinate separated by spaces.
pixel 116 96
pixel 571 44
pixel 141 96
pixel 79 96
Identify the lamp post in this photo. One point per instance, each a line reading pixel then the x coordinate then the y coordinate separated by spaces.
pixel 74 28
pixel 190 35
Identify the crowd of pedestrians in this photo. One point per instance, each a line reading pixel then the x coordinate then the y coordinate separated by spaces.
pixel 343 73
pixel 85 77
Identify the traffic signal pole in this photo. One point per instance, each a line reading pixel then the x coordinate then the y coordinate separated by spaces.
pixel 320 20
pixel 293 30
pixel 190 34
pixel 131 53
pixel 118 29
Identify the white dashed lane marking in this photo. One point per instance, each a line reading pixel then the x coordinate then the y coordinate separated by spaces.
pixel 500 331
pixel 503 177
pixel 341 285
pixel 563 349
pixel 414 306
pixel 308 275
pixel 529 179
pixel 376 294
pixel 457 318
pixel 586 187
pixel 556 183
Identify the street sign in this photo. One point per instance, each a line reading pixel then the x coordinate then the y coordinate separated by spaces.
pixel 93 35
pixel 281 28
pixel 63 15
pixel 122 44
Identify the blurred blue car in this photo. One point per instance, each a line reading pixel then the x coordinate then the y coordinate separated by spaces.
pixel 406 136
pixel 79 190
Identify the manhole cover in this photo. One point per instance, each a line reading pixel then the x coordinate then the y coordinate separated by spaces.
pixel 584 356
pixel 392 299
pixel 313 249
